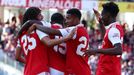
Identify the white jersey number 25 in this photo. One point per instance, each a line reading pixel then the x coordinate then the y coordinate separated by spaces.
pixel 30 42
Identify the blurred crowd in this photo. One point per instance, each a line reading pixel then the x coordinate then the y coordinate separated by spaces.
pixel 9 29
pixel 128 52
pixel 7 39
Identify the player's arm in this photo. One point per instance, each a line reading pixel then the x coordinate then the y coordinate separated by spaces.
pixel 114 37
pixel 51 42
pixel 101 24
pixel 117 50
pixel 26 26
pixel 44 29
pixel 18 55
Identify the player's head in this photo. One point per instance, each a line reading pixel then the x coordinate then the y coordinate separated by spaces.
pixel 57 18
pixel 109 12
pixel 73 17
pixel 32 13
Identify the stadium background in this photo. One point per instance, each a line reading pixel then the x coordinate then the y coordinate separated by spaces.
pixel 11 13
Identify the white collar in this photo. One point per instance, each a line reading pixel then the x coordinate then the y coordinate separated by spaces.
pixel 112 24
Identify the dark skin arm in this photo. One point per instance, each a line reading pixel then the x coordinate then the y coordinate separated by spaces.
pixel 101 24
pixel 44 29
pixel 26 26
pixel 18 55
pixel 117 50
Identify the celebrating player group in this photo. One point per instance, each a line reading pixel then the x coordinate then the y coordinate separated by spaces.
pixel 61 47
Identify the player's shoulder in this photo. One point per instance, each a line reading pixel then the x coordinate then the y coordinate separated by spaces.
pixel 116 26
pixel 82 31
pixel 81 27
pixel 56 25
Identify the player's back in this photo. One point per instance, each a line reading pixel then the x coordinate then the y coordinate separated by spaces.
pixel 57 53
pixel 110 62
pixel 76 63
pixel 35 53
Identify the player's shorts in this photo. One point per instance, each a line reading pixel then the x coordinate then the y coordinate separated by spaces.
pixel 44 73
pixel 55 72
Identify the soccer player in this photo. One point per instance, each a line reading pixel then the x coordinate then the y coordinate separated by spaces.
pixel 35 45
pixel 76 63
pixel 110 58
pixel 57 53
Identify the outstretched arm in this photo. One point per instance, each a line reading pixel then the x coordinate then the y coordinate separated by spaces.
pixel 117 50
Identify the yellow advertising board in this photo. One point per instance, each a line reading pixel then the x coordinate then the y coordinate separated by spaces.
pixel 123 6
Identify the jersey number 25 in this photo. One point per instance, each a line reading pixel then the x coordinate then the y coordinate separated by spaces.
pixel 29 43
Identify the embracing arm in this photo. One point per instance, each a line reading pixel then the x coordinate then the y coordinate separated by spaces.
pixel 18 55
pixel 26 26
pixel 51 42
pixel 44 29
pixel 48 30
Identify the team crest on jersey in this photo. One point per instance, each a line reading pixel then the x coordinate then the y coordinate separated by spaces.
pixel 116 35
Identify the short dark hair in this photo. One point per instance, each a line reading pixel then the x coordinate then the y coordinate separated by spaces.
pixel 31 14
pixel 57 18
pixel 112 8
pixel 75 12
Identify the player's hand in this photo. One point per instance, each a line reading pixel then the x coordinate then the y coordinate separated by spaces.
pixel 97 14
pixel 32 28
pixel 72 34
pixel 90 52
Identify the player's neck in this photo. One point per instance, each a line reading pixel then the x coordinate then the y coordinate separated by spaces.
pixel 112 20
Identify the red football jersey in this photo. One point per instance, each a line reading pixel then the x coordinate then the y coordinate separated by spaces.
pixel 35 54
pixel 111 64
pixel 57 53
pixel 76 63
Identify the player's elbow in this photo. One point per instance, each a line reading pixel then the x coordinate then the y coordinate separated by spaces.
pixel 119 51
